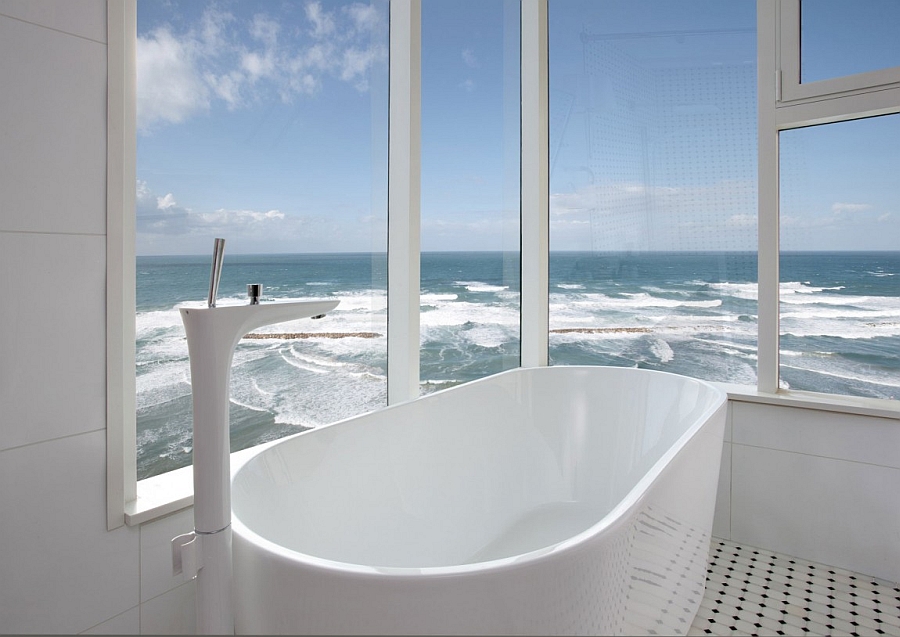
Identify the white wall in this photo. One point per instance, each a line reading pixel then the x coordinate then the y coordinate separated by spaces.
pixel 814 484
pixel 60 569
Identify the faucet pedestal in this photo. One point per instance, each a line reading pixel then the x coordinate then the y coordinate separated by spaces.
pixel 212 334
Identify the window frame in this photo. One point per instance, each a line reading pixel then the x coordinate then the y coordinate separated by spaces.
pixel 791 89
pixel 828 101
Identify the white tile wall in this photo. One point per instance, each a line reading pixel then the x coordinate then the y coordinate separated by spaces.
pixel 156 553
pixel 85 18
pixel 171 613
pixel 53 109
pixel 128 623
pixel 809 484
pixel 829 511
pixel 52 341
pixel 62 571
pixel 818 433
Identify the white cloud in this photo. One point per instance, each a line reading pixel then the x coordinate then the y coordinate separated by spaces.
pixel 163 203
pixel 322 21
pixel 743 220
pixel 884 217
pixel 169 88
pixel 840 208
pixel 223 60
pixel 363 16
pixel 468 85
pixel 265 30
pixel 161 215
pixel 470 59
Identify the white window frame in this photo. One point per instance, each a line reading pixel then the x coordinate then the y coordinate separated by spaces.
pixel 785 104
pixel 791 89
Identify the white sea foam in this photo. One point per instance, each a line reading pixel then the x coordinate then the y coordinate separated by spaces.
pixel 435 299
pixel 747 291
pixel 570 286
pixel 662 350
pixel 479 286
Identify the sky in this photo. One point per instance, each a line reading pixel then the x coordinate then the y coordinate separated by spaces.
pixel 265 122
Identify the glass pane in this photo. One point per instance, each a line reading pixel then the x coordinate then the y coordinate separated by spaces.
pixel 266 124
pixel 840 38
pixel 840 259
pixel 653 186
pixel 470 190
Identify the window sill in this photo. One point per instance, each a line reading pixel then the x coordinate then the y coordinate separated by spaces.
pixel 875 407
pixel 168 493
pixel 171 492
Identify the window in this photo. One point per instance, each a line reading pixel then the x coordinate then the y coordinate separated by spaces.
pixel 828 237
pixel 840 38
pixel 830 47
pixel 840 258
pixel 265 124
pixel 470 191
pixel 653 186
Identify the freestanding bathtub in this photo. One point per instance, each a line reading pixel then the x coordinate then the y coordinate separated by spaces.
pixel 554 500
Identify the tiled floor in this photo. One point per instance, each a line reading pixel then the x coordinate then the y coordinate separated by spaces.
pixel 755 592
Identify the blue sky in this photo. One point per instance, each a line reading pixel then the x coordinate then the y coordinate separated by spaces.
pixel 266 123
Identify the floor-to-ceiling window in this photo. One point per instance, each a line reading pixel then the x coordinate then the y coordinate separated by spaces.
pixel 264 123
pixel 653 186
pixel 470 191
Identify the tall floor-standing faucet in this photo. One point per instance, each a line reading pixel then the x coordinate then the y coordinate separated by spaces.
pixel 212 334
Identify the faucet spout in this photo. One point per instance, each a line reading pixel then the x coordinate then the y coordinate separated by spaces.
pixel 216 273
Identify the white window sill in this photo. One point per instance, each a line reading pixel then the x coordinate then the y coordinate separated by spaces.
pixel 876 407
pixel 165 494
pixel 170 492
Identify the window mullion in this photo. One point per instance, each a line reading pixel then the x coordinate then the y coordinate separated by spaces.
pixel 404 199
pixel 767 321
pixel 535 200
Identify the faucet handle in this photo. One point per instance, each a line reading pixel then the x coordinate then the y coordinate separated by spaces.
pixel 254 291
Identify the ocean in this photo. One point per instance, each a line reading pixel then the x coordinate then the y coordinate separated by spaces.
pixel 689 313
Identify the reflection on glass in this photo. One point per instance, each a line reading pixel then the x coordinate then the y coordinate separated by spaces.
pixel 266 124
pixel 470 191
pixel 840 38
pixel 653 186
pixel 840 259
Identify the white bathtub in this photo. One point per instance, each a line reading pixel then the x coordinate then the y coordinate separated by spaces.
pixel 555 500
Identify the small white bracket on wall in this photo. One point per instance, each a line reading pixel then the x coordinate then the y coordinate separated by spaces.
pixel 186 555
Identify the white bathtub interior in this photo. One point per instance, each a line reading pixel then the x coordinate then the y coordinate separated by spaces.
pixel 448 490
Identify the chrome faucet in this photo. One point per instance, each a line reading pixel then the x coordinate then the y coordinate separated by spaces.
pixel 216 273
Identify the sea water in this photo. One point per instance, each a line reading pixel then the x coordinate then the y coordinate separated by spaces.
pixel 693 314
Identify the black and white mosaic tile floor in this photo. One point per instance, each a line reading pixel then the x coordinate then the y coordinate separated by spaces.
pixel 755 592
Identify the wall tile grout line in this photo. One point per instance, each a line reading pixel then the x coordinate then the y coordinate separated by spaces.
pixel 752 591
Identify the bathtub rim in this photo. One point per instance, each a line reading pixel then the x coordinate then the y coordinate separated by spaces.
pixel 618 512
